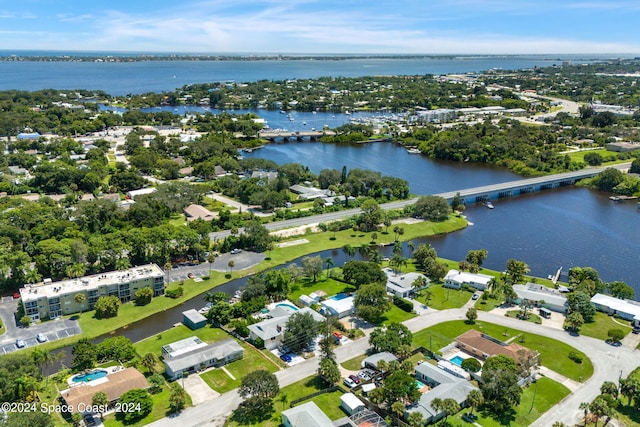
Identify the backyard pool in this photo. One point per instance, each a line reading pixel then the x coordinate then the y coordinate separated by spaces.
pixel 284 304
pixel 457 360
pixel 89 376
pixel 422 387
pixel 339 297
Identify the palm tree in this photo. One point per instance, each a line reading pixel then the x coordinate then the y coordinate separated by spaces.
pixel 328 262
pixel 76 270
pixel 585 407
pixel 475 399
pixel 231 264
pixel 80 298
pixel 167 269
pixel 100 399
pixel 33 276
pixel 210 259
pixel 283 399
pixel 149 361
pixel 415 419
pixel 629 388
pixel 349 250
pixel 438 405
pixel 398 408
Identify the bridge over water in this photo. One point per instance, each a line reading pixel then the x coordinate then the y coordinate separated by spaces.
pixel 312 135
pixel 470 196
pixel 523 186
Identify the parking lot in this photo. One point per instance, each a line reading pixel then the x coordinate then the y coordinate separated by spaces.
pixel 53 329
pixel 241 261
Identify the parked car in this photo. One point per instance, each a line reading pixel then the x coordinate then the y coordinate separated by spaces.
pixel 236 251
pixel 41 338
pixel 89 420
pixel 20 343
pixel 349 382
pixel 364 376
pixel 636 331
pixel 475 296
pixel 337 335
pixel 354 378
pixel 286 358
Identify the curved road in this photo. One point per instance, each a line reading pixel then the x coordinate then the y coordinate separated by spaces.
pixel 609 364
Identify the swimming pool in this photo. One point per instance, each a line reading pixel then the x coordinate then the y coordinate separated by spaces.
pixel 89 376
pixel 284 304
pixel 420 385
pixel 339 297
pixel 457 360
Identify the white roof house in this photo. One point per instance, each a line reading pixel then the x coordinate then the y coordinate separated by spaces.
pixel 372 361
pixel 551 298
pixel 340 307
pixel 140 192
pixel 306 415
pixel 271 330
pixel 402 285
pixel 216 354
pixel 351 404
pixel 625 309
pixel 456 278
pixel 443 385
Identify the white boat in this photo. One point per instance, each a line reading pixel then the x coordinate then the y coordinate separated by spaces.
pixel 413 151
pixel 489 205
pixel 304 123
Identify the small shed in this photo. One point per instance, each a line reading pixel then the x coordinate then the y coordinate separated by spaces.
pixel 193 319
pixel 372 361
pixel 351 404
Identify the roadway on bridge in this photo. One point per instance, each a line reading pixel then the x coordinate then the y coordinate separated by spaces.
pixel 400 204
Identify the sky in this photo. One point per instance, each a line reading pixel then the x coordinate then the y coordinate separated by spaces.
pixel 329 26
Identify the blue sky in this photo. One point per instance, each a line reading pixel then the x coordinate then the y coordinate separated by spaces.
pixel 329 26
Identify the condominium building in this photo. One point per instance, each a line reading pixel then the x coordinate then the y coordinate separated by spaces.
pixel 48 300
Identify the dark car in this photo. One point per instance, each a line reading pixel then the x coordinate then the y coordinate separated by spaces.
pixel 636 331
pixel 286 358
pixel 354 378
pixel 89 420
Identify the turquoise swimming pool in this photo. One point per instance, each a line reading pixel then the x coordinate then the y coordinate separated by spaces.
pixel 338 297
pixel 420 385
pixel 89 376
pixel 457 360
pixel 284 304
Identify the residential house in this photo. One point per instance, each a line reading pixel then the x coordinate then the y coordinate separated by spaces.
pixel 194 212
pixel 132 194
pixel 340 306
pixel 201 357
pixel 306 415
pixel 456 278
pixel 624 309
pixel 483 346
pixel 271 330
pixel 79 397
pixel 438 384
pixel 403 285
pixel 541 296
pixel 372 361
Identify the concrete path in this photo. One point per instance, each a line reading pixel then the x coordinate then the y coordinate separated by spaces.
pixel 567 382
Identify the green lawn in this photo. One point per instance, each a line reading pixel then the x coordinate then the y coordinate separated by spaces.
pixel 252 360
pixel 160 410
pixel 444 298
pixel 547 394
pixel 533 318
pixel 601 325
pixel 329 403
pixel 354 364
pixel 395 315
pixel 554 354
pixel 608 156
pixel 330 286
pixel 154 343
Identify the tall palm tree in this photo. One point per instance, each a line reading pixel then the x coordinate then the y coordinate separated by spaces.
pixel 167 269
pixel 328 262
pixel 33 276
pixel 210 259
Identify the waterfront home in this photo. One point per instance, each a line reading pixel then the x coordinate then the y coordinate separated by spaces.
pixel 404 285
pixel 193 320
pixel 624 309
pixel 271 330
pixel 456 278
pixel 438 383
pixel 541 296
pixel 49 299
pixel 114 385
pixel 191 356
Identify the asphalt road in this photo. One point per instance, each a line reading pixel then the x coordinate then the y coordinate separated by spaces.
pixel 609 364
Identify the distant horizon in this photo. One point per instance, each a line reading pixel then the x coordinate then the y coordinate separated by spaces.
pixel 107 52
pixel 440 27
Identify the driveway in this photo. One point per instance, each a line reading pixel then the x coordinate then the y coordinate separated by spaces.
pixel 199 391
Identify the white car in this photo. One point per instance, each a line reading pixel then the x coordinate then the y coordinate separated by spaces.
pixel 349 382
pixel 41 338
